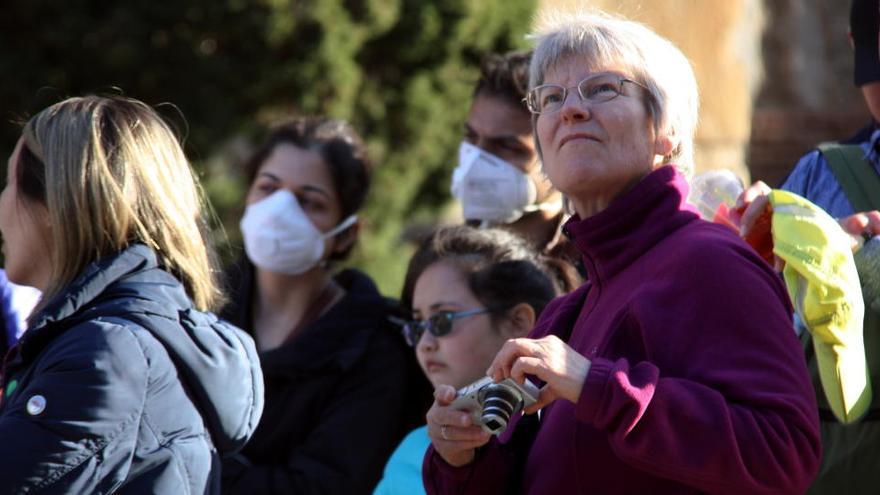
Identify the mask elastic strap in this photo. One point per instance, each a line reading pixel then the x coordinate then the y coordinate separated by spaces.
pixel 348 222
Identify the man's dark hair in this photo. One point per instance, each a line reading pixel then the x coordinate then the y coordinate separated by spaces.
pixel 505 76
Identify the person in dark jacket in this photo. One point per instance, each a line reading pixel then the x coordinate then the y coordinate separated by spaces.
pixel 122 382
pixel 335 369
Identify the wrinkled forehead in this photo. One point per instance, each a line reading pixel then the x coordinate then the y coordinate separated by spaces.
pixel 593 53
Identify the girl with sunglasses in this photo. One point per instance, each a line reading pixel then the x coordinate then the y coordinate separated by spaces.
pixel 469 291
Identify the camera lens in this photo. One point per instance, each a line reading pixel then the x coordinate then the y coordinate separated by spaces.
pixel 500 402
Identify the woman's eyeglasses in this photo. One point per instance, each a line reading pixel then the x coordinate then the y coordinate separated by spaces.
pixel 438 324
pixel 597 88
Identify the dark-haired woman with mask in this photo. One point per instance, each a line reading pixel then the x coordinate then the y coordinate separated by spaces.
pixel 334 370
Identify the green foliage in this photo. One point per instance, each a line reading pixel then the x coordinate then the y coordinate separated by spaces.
pixel 401 71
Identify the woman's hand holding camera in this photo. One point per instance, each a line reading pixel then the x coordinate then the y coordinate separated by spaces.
pixel 453 433
pixel 562 368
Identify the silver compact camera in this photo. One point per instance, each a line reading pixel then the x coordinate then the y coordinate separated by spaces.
pixel 492 404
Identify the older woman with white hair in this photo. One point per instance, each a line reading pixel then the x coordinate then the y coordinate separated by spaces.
pixel 674 369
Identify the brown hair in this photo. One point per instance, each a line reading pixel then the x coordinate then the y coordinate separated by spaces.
pixel 502 269
pixel 505 76
pixel 339 145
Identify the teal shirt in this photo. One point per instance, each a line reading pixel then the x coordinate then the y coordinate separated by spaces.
pixel 403 473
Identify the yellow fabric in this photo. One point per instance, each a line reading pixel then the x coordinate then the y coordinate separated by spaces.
pixel 824 286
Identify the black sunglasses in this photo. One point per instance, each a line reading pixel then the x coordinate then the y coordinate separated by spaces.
pixel 438 324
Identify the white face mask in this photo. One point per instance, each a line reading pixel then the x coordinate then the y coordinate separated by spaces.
pixel 491 189
pixel 279 237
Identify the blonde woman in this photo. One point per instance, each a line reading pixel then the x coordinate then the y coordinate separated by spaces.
pixel 122 381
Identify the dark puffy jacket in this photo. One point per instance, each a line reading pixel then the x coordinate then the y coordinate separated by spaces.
pixel 120 385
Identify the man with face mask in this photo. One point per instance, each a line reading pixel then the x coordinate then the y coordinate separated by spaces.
pixel 498 180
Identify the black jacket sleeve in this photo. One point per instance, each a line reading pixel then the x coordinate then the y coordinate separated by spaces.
pixel 348 448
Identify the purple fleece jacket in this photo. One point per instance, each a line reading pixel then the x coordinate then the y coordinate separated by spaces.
pixel 697 384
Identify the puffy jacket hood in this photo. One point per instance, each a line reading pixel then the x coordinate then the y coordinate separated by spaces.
pixel 216 361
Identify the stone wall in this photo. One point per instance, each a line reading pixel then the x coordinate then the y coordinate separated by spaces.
pixel 807 95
